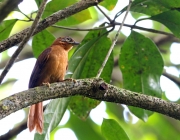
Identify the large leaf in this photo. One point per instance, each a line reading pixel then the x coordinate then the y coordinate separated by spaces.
pixel 149 7
pixel 112 130
pixel 141 65
pixel 85 63
pixel 6 27
pixel 171 20
pixel 153 7
pixel 41 41
pixel 109 4
pixel 56 5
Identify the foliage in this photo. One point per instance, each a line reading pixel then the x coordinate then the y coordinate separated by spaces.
pixel 140 59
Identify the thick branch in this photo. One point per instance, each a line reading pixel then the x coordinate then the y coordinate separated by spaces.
pixel 14 132
pixel 62 14
pixel 92 88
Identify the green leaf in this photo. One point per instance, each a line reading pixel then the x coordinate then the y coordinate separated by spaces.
pixel 109 4
pixel 171 20
pixel 81 106
pixel 169 3
pixel 85 63
pixel 149 7
pixel 5 28
pixel 41 41
pixel 75 19
pixel 56 5
pixel 52 116
pixel 141 65
pixel 112 130
pixel 77 61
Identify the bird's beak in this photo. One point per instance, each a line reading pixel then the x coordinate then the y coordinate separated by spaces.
pixel 76 43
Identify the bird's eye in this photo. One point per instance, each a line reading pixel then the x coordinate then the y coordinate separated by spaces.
pixel 68 39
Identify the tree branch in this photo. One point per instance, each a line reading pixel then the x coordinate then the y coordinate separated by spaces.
pixel 17 129
pixel 14 132
pixel 25 39
pixel 93 88
pixel 172 77
pixel 62 14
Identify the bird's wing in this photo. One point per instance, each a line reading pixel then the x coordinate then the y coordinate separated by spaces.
pixel 40 64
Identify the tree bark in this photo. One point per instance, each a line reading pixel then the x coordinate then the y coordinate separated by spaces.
pixel 93 88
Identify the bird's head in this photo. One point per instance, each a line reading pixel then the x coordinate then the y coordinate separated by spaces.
pixel 66 42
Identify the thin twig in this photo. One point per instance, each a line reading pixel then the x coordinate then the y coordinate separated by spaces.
pixel 140 20
pixel 144 29
pixel 116 23
pixel 114 42
pixel 80 29
pixel 25 39
pixel 172 77
pixel 30 19
pixel 104 13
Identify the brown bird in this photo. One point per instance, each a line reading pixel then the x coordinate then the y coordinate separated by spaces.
pixel 50 67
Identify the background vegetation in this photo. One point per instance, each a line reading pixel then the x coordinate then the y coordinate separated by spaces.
pixel 140 58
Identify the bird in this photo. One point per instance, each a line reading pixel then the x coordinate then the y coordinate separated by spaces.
pixel 50 67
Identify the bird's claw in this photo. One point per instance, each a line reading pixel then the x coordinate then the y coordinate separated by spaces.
pixel 46 84
pixel 70 79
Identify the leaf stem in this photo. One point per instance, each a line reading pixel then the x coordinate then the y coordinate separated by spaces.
pixel 114 42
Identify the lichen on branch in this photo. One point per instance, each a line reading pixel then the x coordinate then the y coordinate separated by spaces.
pixel 94 88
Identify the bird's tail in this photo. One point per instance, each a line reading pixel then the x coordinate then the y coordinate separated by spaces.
pixel 35 118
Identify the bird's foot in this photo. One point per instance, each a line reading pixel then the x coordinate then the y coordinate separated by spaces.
pixel 46 84
pixel 70 79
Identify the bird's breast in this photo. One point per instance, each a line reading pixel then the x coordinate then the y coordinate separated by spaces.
pixel 59 61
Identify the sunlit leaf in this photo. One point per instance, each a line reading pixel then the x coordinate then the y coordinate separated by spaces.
pixel 41 41
pixel 112 130
pixel 56 5
pixel 150 7
pixel 109 4
pixel 141 65
pixel 6 27
pixel 171 20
